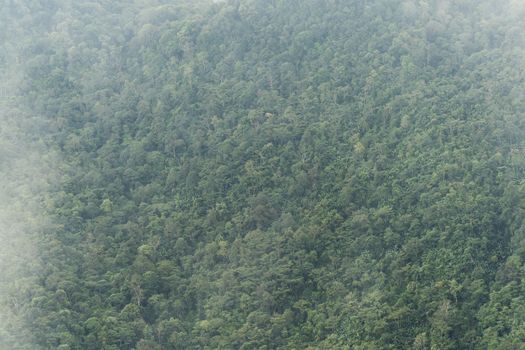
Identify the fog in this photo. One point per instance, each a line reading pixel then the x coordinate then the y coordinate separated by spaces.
pixel 25 173
pixel 21 221
pixel 29 165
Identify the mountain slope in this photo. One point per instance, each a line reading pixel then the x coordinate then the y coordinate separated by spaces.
pixel 281 174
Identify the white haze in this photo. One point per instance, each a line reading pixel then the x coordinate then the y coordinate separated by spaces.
pixel 25 172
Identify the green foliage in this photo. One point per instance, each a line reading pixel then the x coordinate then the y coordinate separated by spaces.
pixel 254 174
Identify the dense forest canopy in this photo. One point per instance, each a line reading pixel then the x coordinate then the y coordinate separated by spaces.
pixel 262 174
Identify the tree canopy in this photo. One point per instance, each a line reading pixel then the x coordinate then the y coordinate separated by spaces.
pixel 272 174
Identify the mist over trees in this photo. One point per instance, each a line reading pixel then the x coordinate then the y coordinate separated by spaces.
pixel 262 174
pixel 25 175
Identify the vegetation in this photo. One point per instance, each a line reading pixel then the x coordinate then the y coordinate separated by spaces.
pixel 276 174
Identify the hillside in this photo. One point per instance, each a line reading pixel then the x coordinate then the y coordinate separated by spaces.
pixel 266 174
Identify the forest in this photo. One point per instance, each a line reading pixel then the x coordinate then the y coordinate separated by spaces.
pixel 262 174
